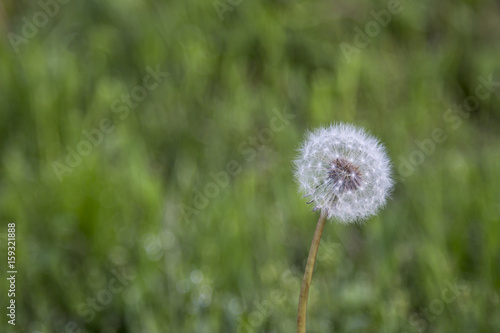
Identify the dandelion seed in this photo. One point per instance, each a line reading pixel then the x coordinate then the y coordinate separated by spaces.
pixel 352 168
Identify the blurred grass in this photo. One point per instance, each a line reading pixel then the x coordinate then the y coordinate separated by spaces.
pixel 236 266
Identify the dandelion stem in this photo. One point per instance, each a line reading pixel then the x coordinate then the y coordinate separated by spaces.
pixel 306 282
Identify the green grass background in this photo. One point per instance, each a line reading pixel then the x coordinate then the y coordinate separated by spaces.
pixel 236 266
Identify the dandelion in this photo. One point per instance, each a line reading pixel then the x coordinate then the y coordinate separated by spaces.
pixel 346 174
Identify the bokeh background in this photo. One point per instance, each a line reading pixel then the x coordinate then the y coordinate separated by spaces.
pixel 123 241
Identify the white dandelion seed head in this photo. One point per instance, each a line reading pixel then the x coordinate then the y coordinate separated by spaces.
pixel 344 172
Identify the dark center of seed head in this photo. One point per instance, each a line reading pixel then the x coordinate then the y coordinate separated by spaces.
pixel 345 175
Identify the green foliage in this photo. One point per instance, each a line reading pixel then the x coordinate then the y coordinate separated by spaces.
pixel 231 259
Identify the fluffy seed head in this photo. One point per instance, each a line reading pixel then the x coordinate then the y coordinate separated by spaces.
pixel 344 171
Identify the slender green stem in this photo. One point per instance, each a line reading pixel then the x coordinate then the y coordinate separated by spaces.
pixel 306 282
